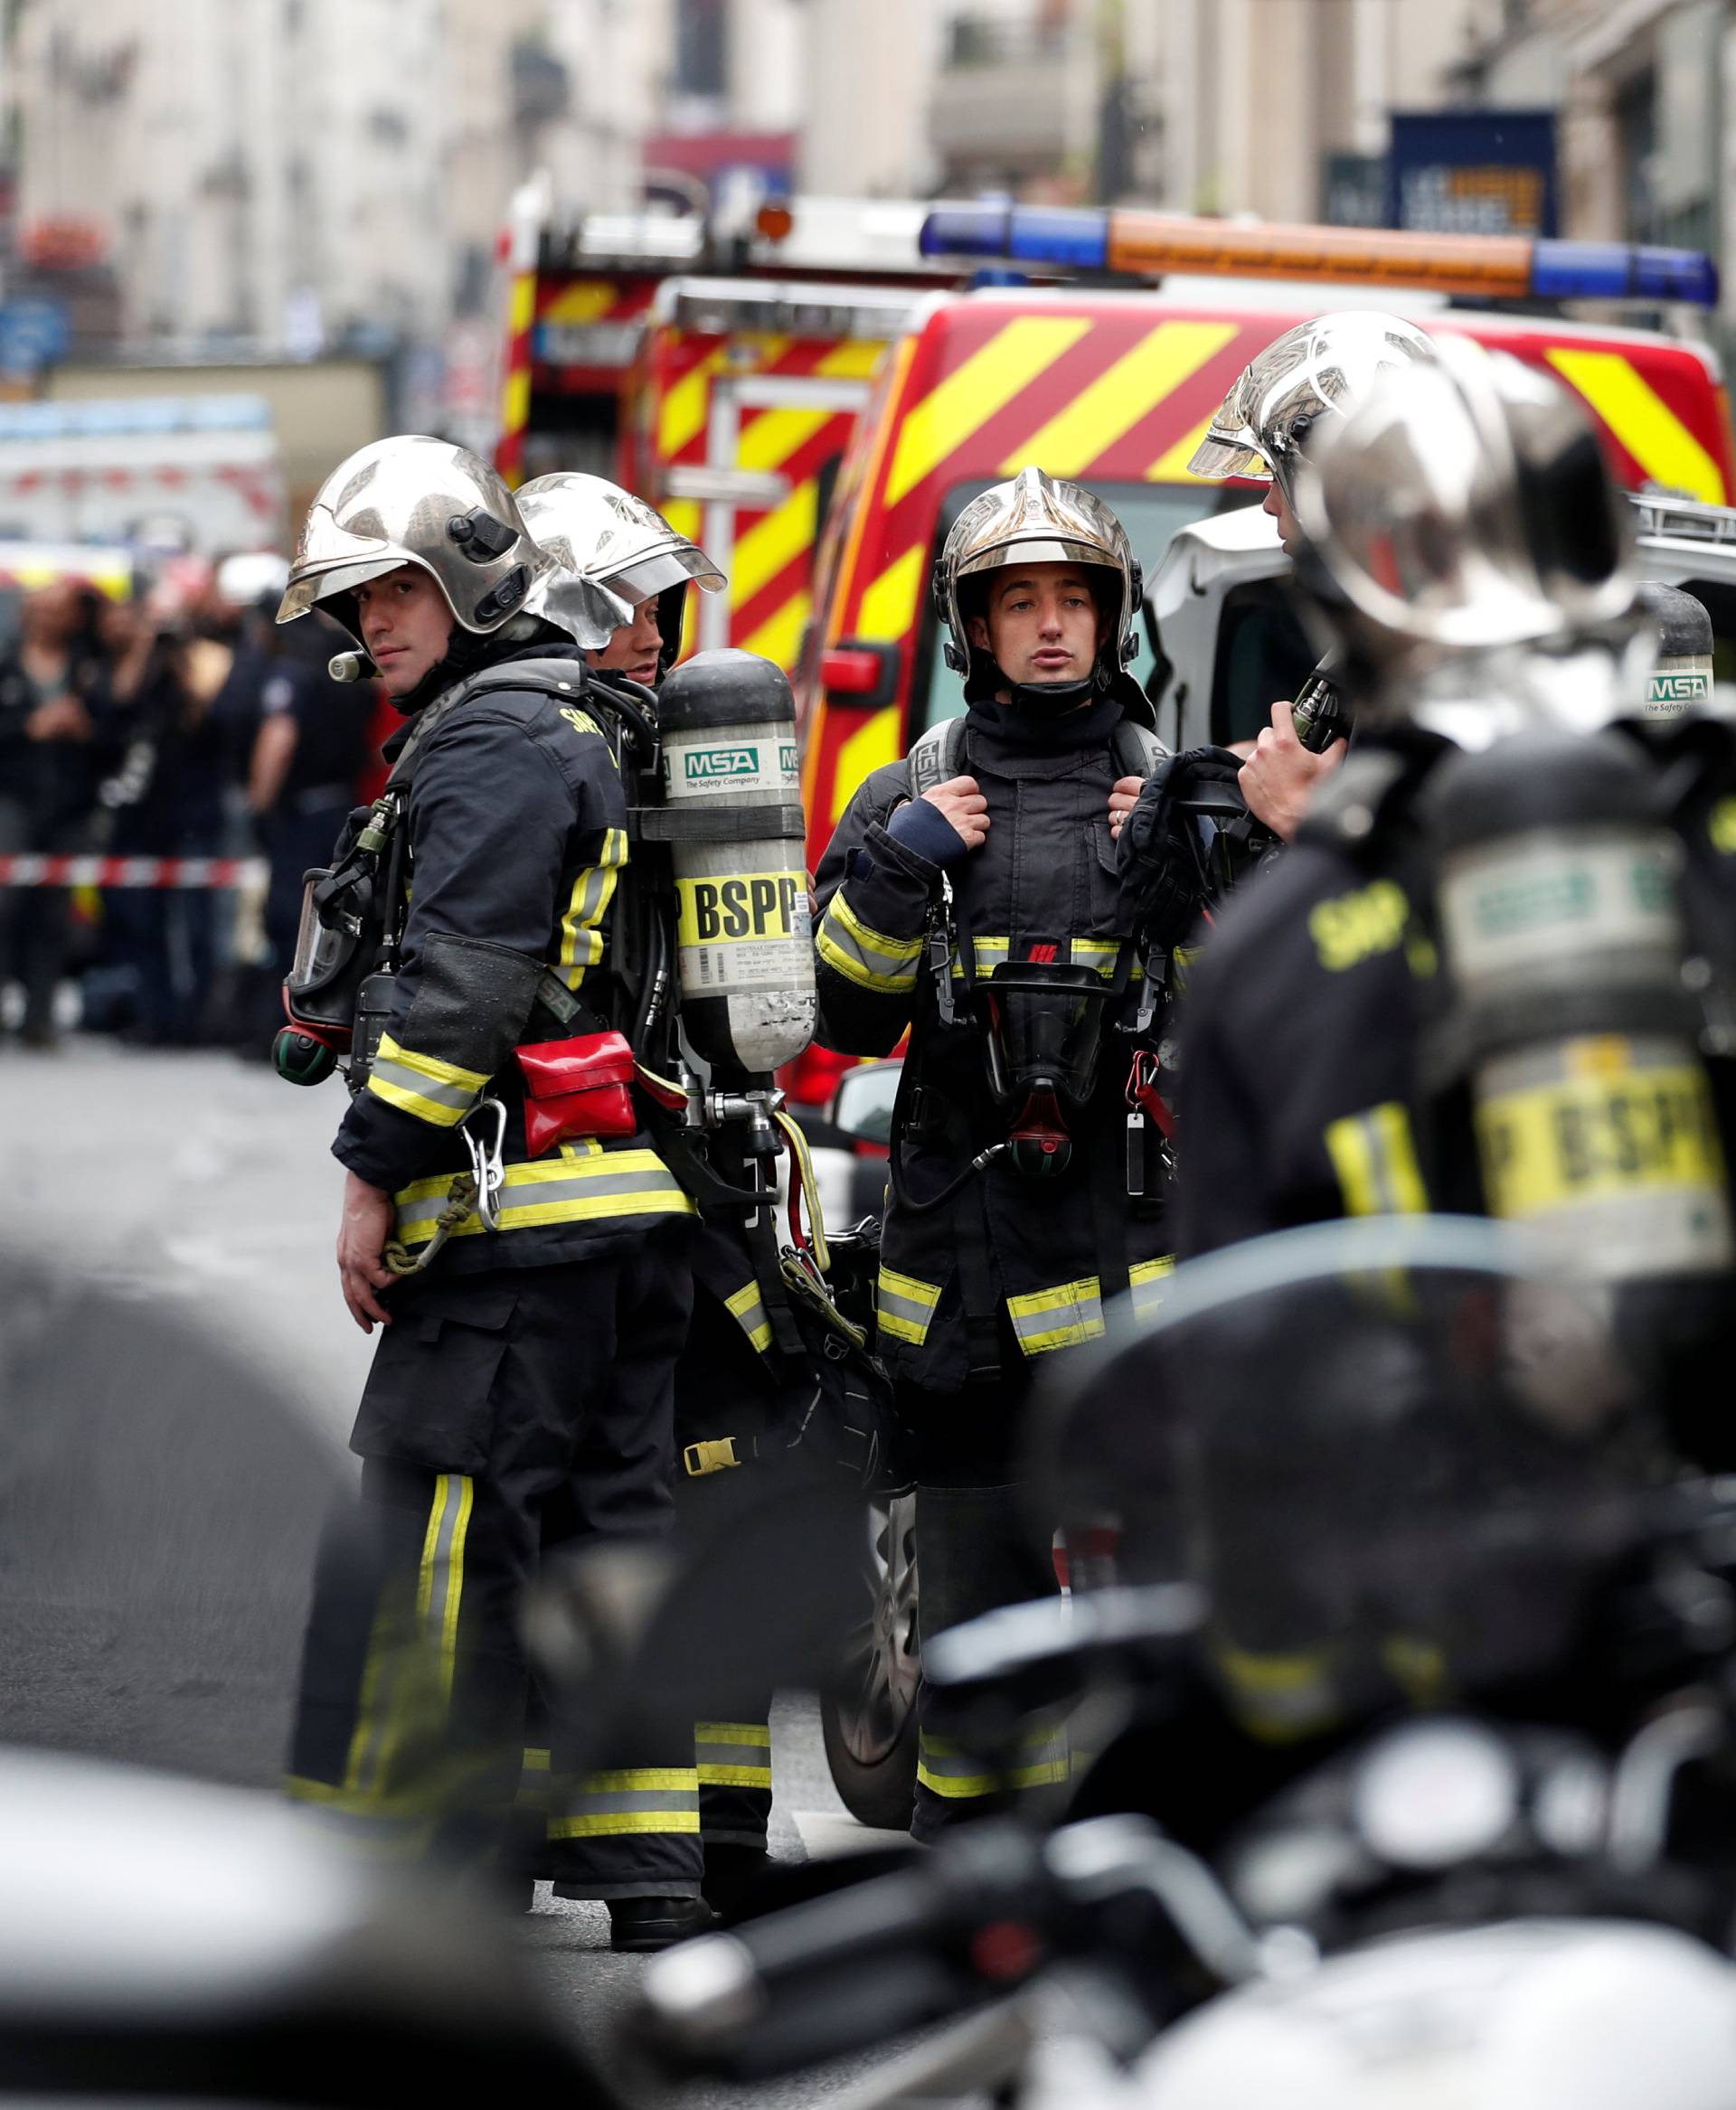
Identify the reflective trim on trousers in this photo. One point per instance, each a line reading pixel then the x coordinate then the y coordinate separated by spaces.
pixel 1144 1279
pixel 905 1306
pixel 733 1754
pixel 1044 1319
pixel 870 959
pixel 440 1583
pixel 438 1093
pixel 956 1775
pixel 603 1805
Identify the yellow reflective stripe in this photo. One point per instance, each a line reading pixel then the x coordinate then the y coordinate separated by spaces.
pixel 905 1306
pixel 624 1823
pixel 889 602
pixel 568 1189
pixel 965 401
pixel 1121 396
pixel 746 1307
pixel 1641 420
pixel 1277 1698
pixel 439 1093
pixel 581 939
pixel 733 1754
pixel 1144 1277
pixel 1044 1319
pixel 870 959
pixel 636 1800
pixel 440 1584
pixel 1374 1156
pixel 1101 953
pixel 947 1770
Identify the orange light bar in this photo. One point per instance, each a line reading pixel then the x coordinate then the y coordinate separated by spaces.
pixel 1490 267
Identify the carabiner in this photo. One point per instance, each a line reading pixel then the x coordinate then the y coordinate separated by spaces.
pixel 487 1161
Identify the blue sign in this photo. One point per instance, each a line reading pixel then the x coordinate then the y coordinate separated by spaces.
pixel 33 333
pixel 1472 172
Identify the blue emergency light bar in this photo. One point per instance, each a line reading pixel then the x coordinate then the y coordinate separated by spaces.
pixel 1487 267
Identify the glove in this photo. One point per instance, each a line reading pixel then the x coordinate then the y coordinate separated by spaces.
pixel 1161 850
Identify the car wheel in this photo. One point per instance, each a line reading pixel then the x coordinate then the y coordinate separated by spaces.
pixel 869 1721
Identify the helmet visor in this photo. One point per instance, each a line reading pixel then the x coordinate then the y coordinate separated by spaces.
pixel 659 570
pixel 314 587
pixel 1227 454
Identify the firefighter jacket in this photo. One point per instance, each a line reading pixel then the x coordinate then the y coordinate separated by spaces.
pixel 1302 1097
pixel 1299 1022
pixel 1008 1254
pixel 517 824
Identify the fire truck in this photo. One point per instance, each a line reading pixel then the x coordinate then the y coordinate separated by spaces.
pixel 1114 386
pixel 718 372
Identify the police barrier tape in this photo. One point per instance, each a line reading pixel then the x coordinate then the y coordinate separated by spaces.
pixel 132 871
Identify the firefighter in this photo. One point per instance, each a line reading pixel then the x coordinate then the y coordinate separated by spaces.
pixel 1495 975
pixel 1303 383
pixel 735 1383
pixel 971 894
pixel 529 1361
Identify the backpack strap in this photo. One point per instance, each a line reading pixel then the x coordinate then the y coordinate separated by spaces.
pixel 1134 749
pixel 553 678
pixel 938 756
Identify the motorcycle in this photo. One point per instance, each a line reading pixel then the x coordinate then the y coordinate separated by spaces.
pixel 1414 1694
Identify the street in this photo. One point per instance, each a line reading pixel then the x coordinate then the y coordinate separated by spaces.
pixel 197 1192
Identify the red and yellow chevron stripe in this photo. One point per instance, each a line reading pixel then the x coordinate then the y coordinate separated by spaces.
pixel 1121 392
pixel 771 562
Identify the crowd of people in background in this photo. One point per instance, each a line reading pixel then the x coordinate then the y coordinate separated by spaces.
pixel 179 724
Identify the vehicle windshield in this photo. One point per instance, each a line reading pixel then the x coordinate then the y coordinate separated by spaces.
pixel 1151 514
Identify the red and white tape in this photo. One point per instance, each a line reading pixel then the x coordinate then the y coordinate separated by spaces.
pixel 133 871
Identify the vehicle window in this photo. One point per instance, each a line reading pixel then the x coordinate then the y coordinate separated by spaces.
pixel 1151 514
pixel 1263 653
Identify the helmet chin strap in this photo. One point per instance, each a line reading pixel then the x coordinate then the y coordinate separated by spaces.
pixel 989 680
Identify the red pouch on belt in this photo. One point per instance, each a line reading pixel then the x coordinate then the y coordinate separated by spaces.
pixel 574 1088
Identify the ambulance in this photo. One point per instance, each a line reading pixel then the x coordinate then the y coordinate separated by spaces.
pixel 1114 384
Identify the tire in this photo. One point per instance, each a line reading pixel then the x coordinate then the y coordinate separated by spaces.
pixel 869 1720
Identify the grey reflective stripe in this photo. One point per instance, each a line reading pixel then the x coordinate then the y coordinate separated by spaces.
pixel 1074 1312
pixel 446 1575
pixel 758 1756
pixel 953 1765
pixel 459 1097
pixel 879 956
pixel 639 1801
pixel 892 1304
pixel 417 1219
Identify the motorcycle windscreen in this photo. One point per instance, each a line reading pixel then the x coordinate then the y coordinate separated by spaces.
pixel 1399 1456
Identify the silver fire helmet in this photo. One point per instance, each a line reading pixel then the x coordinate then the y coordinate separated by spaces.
pixel 413 500
pixel 1465 510
pixel 1320 370
pixel 610 551
pixel 1039 520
